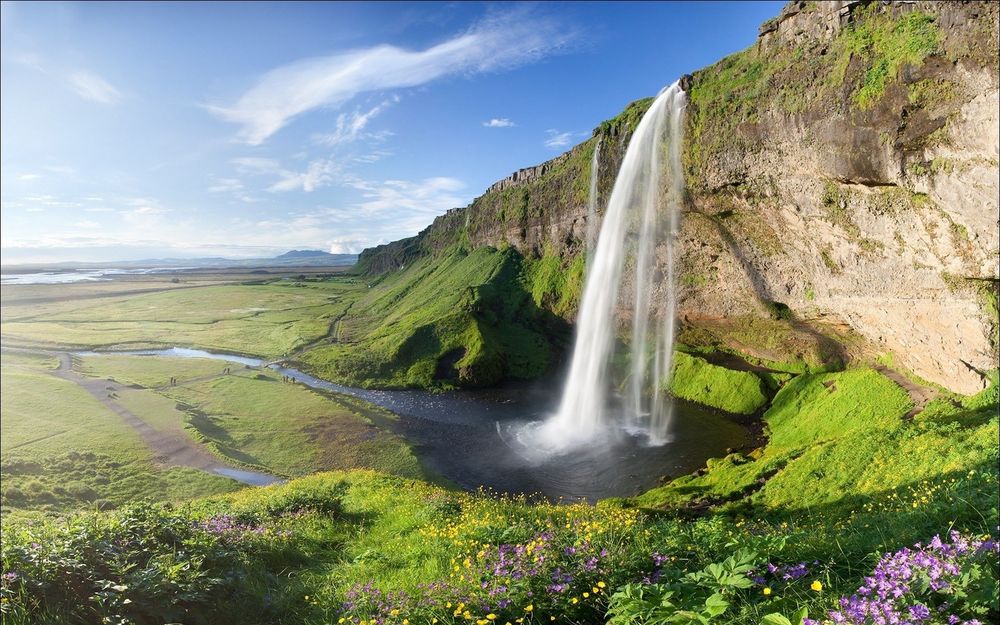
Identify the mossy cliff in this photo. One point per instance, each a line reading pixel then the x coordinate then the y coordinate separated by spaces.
pixel 843 181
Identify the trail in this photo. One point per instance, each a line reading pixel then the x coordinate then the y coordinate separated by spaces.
pixel 919 395
pixel 173 448
pixel 330 337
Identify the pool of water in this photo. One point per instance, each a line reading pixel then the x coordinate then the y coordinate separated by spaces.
pixel 482 438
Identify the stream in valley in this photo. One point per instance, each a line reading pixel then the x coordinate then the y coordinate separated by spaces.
pixel 477 438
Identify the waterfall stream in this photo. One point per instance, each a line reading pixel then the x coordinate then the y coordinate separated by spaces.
pixel 637 233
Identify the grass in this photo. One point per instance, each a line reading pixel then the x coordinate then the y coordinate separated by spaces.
pixel 60 449
pixel 738 392
pixel 465 319
pixel 63 450
pixel 883 45
pixel 253 418
pixel 267 320
pixel 836 433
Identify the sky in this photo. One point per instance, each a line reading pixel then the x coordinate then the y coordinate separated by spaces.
pixel 153 130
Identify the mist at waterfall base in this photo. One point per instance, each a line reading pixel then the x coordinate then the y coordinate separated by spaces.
pixel 602 402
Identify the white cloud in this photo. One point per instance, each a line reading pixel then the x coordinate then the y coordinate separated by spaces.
pixel 288 91
pixel 28 177
pixel 318 174
pixel 256 165
pixel 87 224
pixel 372 157
pixel 63 170
pixel 226 185
pixel 90 86
pixel 558 139
pixel 499 122
pixel 350 127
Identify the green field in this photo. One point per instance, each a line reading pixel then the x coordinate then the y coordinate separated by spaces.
pixel 268 320
pixel 61 449
pixel 255 419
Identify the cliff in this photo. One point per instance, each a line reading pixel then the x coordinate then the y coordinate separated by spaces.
pixel 843 182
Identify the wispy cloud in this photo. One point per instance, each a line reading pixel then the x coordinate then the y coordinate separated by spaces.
pixel 28 177
pixel 90 86
pixel 557 140
pixel 226 185
pixel 319 173
pixel 372 157
pixel 351 127
pixel 499 122
pixel 282 94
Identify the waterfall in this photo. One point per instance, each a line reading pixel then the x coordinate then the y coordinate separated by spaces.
pixel 595 165
pixel 637 231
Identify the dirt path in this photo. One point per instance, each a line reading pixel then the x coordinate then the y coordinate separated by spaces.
pixel 919 395
pixel 172 448
pixel 330 337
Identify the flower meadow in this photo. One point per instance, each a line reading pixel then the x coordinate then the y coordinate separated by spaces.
pixel 369 549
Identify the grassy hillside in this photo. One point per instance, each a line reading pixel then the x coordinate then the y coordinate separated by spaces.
pixel 464 318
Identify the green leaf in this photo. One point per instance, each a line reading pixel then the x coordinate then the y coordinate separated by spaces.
pixel 775 619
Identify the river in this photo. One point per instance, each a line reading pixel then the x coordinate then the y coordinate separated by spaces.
pixel 481 438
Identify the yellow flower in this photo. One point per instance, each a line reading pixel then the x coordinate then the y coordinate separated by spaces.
pixel 394 613
pixel 342 619
pixel 406 621
pixel 601 584
pixel 586 594
pixel 574 600
pixel 529 608
pixel 481 621
pixel 491 616
pixel 817 586
pixel 306 597
pixel 767 591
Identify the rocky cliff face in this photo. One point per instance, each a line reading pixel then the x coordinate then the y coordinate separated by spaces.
pixel 843 182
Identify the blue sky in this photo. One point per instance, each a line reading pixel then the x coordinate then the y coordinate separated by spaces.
pixel 140 130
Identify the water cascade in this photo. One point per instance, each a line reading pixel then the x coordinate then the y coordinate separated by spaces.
pixel 637 232
pixel 595 169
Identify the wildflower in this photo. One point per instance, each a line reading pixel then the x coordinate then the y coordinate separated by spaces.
pixel 817 586
pixel 491 617
pixel 767 591
pixel 601 585
pixel 529 608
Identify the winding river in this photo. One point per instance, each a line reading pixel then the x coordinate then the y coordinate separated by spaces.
pixel 474 437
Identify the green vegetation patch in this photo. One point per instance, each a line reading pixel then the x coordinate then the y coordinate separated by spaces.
pixel 60 450
pixel 839 441
pixel 465 318
pixel 738 392
pixel 884 45
pixel 267 320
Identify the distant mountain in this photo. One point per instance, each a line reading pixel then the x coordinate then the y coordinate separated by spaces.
pixel 311 254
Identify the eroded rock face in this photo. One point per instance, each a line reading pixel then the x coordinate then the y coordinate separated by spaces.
pixel 870 205
pixel 873 214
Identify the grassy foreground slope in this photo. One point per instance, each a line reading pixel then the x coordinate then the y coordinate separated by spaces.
pixel 822 504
